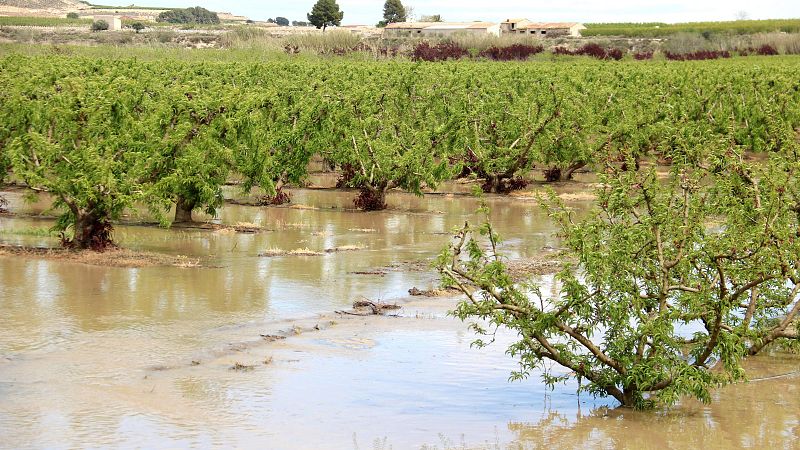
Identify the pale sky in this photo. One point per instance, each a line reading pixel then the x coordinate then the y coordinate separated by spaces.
pixel 369 12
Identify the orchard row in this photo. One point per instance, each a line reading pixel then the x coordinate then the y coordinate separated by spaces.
pixel 103 135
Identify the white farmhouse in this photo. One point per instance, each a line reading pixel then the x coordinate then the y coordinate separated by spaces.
pixel 440 29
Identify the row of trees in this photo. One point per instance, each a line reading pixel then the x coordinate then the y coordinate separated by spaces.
pixel 104 136
pixel 326 13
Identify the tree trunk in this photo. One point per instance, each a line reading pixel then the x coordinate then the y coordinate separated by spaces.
pixel 183 210
pixel 493 184
pixel 91 232
pixel 629 398
pixel 556 174
pixel 571 170
pixel 371 199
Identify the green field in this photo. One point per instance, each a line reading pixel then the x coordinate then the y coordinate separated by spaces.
pixel 44 21
pixel 656 29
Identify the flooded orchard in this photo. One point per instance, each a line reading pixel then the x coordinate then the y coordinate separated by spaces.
pixel 247 350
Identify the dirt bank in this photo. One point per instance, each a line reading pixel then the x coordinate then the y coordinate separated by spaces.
pixel 109 258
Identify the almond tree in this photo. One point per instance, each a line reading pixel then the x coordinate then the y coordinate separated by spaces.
pixel 188 161
pixel 387 135
pixel 76 137
pixel 674 283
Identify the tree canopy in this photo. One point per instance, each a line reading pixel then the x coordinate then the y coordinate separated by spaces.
pixel 393 12
pixel 325 13
pixel 189 15
pixel 672 282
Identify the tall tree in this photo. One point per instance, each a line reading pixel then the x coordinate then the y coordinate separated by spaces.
pixel 393 11
pixel 325 13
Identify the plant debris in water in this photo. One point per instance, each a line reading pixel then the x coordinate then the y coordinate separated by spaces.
pixel 414 292
pixel 296 252
pixel 242 367
pixel 273 252
pixel 113 257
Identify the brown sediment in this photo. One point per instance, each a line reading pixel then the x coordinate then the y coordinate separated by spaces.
pixel 520 269
pixel 345 248
pixel 238 227
pixel 446 292
pixel 116 257
pixel 273 252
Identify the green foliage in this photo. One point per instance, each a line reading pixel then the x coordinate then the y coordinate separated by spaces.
pixel 282 21
pixel 190 162
pixel 73 15
pixel 100 25
pixel 393 11
pixel 189 15
pixel 657 29
pixel 325 13
pixel 384 141
pixel 386 125
pixel 77 137
pixel 675 282
pixel 43 21
pixel 137 26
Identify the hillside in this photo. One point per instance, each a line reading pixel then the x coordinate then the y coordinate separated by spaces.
pixel 43 8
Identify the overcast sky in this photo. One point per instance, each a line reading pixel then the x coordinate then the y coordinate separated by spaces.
pixel 370 11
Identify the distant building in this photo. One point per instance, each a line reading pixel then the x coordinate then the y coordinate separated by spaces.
pixel 439 29
pixel 114 22
pixel 541 29
pixel 231 18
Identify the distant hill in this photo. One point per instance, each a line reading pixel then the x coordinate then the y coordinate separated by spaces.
pixel 43 8
pixel 60 8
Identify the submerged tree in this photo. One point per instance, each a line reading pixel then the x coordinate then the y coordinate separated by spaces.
pixel 324 14
pixel 385 138
pixel 675 282
pixel 76 138
pixel 5 165
pixel 188 162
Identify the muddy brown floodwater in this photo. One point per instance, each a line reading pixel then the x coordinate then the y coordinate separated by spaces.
pixel 230 355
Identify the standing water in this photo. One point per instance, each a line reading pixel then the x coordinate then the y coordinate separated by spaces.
pixel 246 350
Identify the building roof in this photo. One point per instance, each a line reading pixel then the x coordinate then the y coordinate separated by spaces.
pixel 515 20
pixel 549 25
pixel 409 25
pixel 440 25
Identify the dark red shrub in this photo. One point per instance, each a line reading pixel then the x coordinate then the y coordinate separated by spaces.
pixel 512 52
pixel 280 198
pixel 614 53
pixel 593 50
pixel 767 50
pixel 698 55
pixel 439 52
pixel 563 51
pixel 641 56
